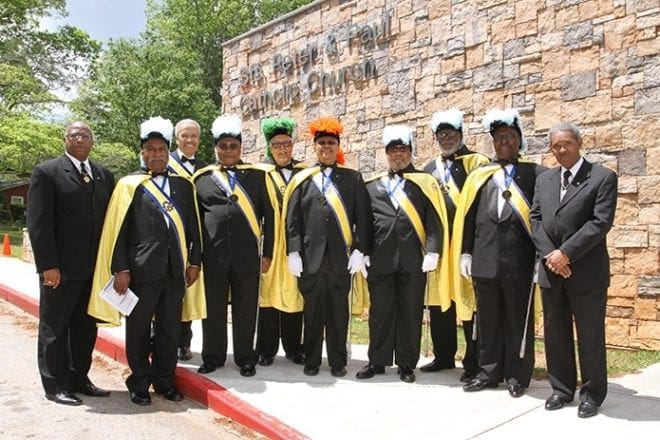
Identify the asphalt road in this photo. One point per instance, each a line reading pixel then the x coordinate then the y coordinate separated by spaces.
pixel 25 412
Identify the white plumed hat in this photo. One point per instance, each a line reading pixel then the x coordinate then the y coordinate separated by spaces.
pixel 452 118
pixel 398 134
pixel 156 127
pixel 497 118
pixel 227 125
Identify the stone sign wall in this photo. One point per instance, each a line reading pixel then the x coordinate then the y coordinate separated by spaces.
pixel 375 62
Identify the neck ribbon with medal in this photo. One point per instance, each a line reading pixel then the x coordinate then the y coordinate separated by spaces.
pixel 167 205
pixel 325 183
pixel 508 178
pixel 392 190
pixel 231 177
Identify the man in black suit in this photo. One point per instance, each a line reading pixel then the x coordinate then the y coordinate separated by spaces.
pixel 451 169
pixel 328 217
pixel 183 161
pixel 573 210
pixel 407 242
pixel 279 317
pixel 157 253
pixel 498 253
pixel 67 201
pixel 235 213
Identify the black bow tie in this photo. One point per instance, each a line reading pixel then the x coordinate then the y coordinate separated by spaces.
pixel 324 166
pixel 505 162
pixel 393 173
pixel 184 159
pixel 232 169
pixel 449 157
pixel 156 174
pixel 285 167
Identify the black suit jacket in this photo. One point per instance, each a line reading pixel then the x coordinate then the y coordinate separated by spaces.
pixel 500 245
pixel 578 224
pixel 311 225
pixel 228 240
pixel 395 244
pixel 65 216
pixel 147 246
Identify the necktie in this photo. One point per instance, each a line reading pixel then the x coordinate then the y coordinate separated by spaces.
pixel 84 173
pixel 565 183
pixel 184 159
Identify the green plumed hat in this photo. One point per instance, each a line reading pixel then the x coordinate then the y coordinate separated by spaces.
pixel 271 127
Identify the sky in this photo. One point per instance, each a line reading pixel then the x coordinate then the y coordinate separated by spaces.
pixel 106 19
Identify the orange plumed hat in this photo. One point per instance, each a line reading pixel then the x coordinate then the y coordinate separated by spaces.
pixel 328 126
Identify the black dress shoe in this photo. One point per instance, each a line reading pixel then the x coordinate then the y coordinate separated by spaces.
pixel 298 358
pixel 311 371
pixel 478 385
pixel 555 402
pixel 171 394
pixel 141 398
pixel 65 398
pixel 185 354
pixel 266 361
pixel 338 371
pixel 515 389
pixel 406 374
pixel 248 370
pixel 587 409
pixel 468 376
pixel 206 368
pixel 370 371
pixel 89 389
pixel 437 365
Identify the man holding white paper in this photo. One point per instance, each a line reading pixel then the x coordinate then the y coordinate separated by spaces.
pixel 151 242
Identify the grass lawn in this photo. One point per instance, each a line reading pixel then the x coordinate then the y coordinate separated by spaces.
pixel 619 361
pixel 15 231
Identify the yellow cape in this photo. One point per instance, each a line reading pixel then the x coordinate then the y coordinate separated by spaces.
pixel 194 301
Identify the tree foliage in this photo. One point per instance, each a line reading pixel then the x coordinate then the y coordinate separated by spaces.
pixel 174 69
pixel 33 61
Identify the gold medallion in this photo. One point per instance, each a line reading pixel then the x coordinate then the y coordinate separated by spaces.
pixel 86 179
pixel 167 205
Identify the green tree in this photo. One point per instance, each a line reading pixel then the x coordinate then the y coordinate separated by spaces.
pixel 33 62
pixel 24 142
pixel 121 159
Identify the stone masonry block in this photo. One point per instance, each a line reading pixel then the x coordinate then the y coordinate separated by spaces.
pixel 579 85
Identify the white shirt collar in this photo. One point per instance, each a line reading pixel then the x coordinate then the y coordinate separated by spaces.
pixel 76 162
pixel 575 168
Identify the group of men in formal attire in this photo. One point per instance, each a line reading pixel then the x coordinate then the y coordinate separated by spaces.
pixel 292 246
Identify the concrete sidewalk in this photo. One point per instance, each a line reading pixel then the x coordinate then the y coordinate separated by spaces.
pixel 281 402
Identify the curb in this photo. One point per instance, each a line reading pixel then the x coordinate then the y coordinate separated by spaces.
pixel 203 390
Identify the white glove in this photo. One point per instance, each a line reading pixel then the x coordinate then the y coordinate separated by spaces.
pixel 430 262
pixel 356 262
pixel 535 277
pixel 465 265
pixel 295 264
pixel 367 263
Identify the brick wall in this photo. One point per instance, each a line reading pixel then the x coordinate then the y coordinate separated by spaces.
pixel 592 62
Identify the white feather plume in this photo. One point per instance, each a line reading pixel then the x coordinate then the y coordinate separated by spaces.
pixel 510 117
pixel 453 117
pixel 157 125
pixel 226 125
pixel 399 132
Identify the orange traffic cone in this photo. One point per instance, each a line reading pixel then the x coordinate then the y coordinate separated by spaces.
pixel 6 247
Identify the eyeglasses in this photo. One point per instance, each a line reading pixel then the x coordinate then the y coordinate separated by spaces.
pixel 228 146
pixel 283 144
pixel 446 134
pixel 328 143
pixel 500 138
pixel 398 149
pixel 79 137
